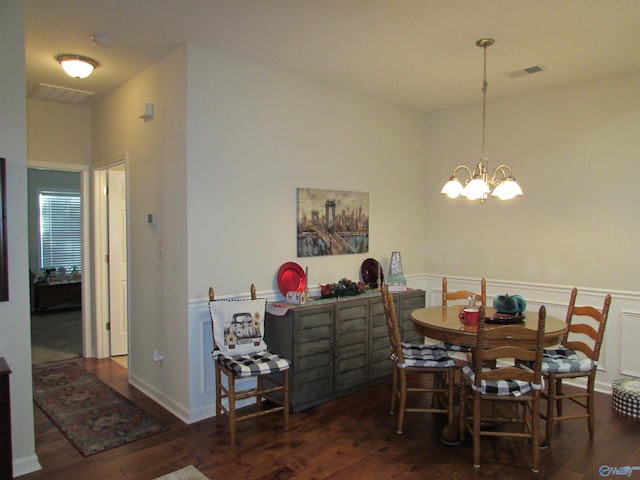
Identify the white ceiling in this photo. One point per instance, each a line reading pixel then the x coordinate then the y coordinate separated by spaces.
pixel 420 54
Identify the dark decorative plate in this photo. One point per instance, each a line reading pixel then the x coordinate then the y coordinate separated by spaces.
pixel 500 318
pixel 504 318
pixel 369 271
pixel 291 278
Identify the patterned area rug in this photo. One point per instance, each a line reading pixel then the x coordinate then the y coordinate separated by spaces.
pixel 186 473
pixel 56 335
pixel 92 415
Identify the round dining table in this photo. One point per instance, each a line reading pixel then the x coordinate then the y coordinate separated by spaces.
pixel 445 324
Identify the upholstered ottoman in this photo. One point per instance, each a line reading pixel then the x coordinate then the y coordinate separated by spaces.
pixel 626 396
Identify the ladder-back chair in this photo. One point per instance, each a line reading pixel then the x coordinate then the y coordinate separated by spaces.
pixel 458 296
pixel 577 357
pixel 411 360
pixel 239 352
pixel 515 380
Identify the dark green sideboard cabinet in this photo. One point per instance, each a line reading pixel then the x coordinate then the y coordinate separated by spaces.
pixel 338 347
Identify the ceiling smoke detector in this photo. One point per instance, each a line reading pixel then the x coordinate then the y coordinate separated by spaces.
pixel 100 39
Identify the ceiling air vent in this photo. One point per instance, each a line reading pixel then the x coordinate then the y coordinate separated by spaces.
pixel 526 71
pixel 55 93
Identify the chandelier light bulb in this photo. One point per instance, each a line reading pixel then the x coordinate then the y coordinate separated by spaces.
pixel 453 188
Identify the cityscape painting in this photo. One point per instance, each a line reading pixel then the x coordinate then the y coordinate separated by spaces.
pixel 332 222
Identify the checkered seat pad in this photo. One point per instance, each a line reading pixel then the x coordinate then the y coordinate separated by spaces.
pixel 261 363
pixel 500 387
pixel 456 348
pixel 564 360
pixel 434 356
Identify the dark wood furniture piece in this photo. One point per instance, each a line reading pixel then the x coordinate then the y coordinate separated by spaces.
pixel 337 347
pixel 63 294
pixel 4 269
pixel 6 458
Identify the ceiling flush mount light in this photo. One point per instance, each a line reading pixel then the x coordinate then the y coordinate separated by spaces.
pixel 500 183
pixel 77 66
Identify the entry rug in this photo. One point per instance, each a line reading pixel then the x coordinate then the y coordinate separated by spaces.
pixel 186 473
pixel 92 415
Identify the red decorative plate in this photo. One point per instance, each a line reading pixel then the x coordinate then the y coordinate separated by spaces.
pixel 291 278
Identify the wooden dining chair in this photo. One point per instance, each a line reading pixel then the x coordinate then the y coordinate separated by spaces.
pixel 418 360
pixel 448 296
pixel 513 386
pixel 577 357
pixel 459 296
pixel 239 351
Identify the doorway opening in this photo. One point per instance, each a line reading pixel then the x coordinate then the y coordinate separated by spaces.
pixel 111 227
pixel 60 278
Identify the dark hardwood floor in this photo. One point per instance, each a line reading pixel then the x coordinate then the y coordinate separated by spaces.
pixel 350 438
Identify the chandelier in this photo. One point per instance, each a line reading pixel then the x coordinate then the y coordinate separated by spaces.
pixel 479 184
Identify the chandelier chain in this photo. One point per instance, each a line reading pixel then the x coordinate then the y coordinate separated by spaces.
pixel 484 102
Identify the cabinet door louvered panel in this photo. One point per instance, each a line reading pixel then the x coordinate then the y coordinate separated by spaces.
pixel 351 343
pixel 379 363
pixel 313 352
pixel 405 304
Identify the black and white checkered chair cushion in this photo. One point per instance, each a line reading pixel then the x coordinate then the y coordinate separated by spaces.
pixel 500 387
pixel 564 360
pixel 456 348
pixel 434 356
pixel 261 363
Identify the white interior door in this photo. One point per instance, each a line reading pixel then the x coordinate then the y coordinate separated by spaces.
pixel 117 204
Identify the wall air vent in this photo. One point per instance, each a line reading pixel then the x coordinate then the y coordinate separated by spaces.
pixel 526 71
pixel 55 93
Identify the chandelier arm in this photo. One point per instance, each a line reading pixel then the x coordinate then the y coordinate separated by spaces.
pixel 505 170
pixel 463 167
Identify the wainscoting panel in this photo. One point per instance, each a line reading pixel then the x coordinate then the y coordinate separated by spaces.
pixel 629 336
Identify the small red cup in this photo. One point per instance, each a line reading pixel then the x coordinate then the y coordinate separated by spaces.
pixel 470 316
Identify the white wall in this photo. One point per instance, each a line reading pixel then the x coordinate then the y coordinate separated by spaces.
pixel 255 135
pixel 58 132
pixel 156 183
pixel 15 339
pixel 574 151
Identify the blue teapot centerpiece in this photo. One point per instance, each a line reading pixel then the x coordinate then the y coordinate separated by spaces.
pixel 510 304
